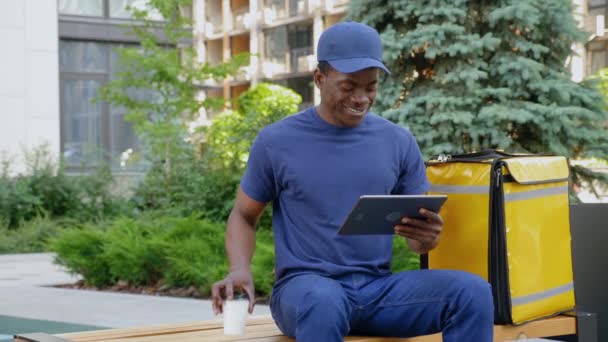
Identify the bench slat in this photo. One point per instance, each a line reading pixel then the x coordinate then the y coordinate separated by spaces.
pixel 263 329
pixel 157 330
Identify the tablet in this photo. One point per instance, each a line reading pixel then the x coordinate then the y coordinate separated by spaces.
pixel 378 214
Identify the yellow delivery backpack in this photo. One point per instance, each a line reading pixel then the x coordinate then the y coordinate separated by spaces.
pixel 507 220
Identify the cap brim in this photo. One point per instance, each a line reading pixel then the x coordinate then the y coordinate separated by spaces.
pixel 351 65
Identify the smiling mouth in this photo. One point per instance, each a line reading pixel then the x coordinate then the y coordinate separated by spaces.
pixel 355 111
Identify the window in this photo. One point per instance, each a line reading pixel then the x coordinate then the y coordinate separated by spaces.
pixel 93 133
pixel 288 49
pixel 120 9
pixel 81 7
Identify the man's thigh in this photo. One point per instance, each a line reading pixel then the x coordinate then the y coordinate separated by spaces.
pixel 410 303
pixel 322 299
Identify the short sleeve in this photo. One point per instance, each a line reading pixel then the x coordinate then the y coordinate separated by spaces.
pixel 412 178
pixel 258 182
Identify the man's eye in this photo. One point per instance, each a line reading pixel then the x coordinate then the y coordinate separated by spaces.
pixel 347 88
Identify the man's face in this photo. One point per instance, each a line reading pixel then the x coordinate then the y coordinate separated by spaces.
pixel 346 98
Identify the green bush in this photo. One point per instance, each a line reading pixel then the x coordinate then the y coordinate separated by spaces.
pixel 403 258
pixel 180 251
pixel 262 267
pixel 207 184
pixel 81 252
pixel 45 189
pixel 231 134
pixel 29 236
pixel 195 254
pixel 134 251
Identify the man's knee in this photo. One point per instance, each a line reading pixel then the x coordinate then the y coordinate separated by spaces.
pixel 324 309
pixel 476 293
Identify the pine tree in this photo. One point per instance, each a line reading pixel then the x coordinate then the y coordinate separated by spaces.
pixel 471 74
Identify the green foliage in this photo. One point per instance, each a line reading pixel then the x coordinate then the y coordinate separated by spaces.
pixel 29 236
pixel 403 258
pixel 469 75
pixel 208 185
pixel 169 70
pixel 181 251
pixel 134 251
pixel 81 252
pixel 231 134
pixel 262 266
pixel 195 254
pixel 45 189
pixel 600 81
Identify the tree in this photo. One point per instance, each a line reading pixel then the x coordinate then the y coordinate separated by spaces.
pixel 231 134
pixel 228 141
pixel 169 70
pixel 208 185
pixel 472 74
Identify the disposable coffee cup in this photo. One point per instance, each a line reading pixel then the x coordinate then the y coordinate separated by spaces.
pixel 235 315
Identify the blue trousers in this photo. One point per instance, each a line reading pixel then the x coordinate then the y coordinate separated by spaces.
pixel 315 308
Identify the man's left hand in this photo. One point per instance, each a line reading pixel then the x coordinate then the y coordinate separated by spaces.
pixel 422 235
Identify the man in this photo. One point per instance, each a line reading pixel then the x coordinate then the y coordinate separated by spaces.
pixel 313 166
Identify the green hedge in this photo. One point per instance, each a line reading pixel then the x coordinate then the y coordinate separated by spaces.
pixel 30 236
pixel 45 189
pixel 181 252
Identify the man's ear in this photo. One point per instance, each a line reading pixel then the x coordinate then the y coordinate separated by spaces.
pixel 319 77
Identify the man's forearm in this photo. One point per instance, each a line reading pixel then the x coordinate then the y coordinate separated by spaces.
pixel 240 241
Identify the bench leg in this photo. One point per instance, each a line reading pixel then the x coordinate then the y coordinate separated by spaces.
pixel 586 327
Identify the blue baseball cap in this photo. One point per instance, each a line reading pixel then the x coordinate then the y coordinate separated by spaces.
pixel 349 47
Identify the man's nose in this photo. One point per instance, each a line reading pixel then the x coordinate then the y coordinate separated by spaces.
pixel 359 99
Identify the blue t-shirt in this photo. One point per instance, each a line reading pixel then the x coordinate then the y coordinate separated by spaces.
pixel 313 173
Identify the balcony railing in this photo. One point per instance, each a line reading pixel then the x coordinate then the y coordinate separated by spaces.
pixel 214 24
pixel 275 12
pixel 284 9
pixel 241 19
pixel 335 4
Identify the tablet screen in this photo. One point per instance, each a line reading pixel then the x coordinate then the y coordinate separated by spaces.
pixel 378 214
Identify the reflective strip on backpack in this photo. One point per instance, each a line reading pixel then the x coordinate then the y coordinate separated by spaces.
pixel 542 295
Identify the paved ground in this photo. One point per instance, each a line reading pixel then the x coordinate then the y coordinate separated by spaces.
pixel 27 304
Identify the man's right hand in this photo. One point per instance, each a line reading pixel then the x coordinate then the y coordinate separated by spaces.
pixel 239 279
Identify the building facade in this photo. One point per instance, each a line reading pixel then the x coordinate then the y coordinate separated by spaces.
pixel 281 35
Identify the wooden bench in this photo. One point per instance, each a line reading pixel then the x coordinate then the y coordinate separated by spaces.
pixel 263 329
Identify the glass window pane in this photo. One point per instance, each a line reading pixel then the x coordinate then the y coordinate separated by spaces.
pixel 276 51
pixel 297 7
pixel 83 57
pixel 81 7
pixel 123 9
pixel 126 150
pixel 82 143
